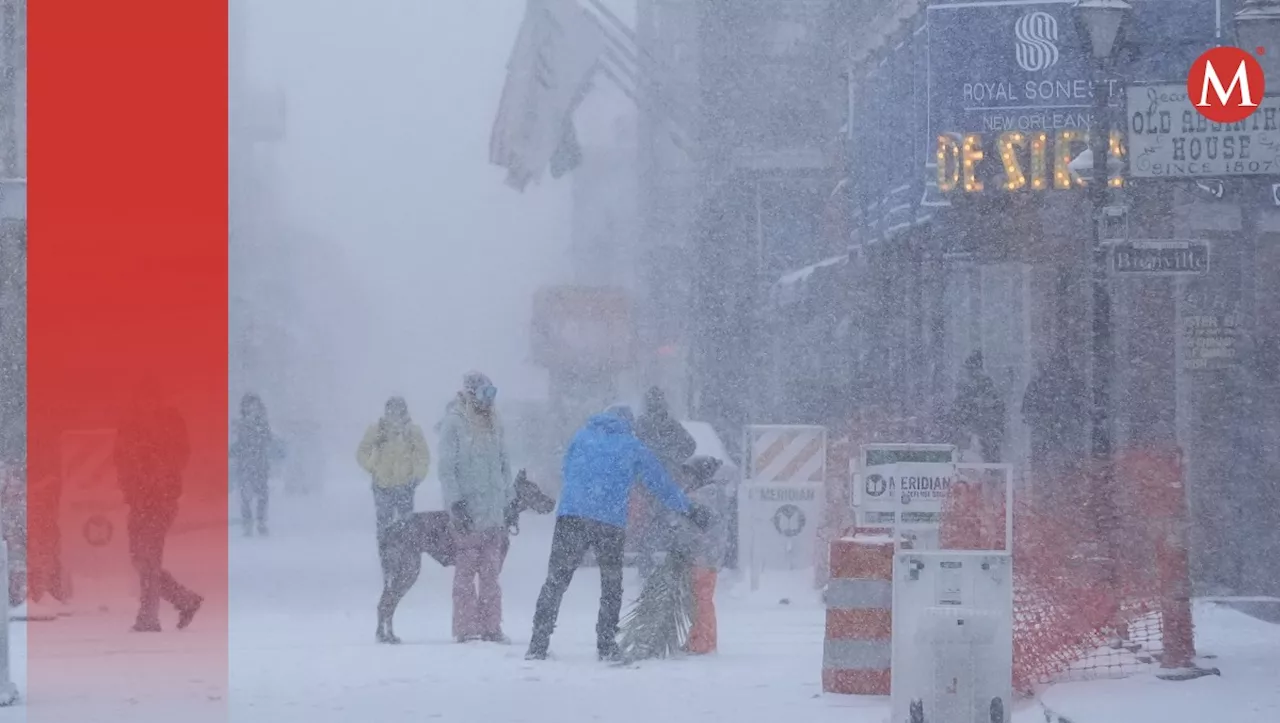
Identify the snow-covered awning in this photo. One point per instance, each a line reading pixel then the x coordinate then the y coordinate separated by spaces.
pixel 789 288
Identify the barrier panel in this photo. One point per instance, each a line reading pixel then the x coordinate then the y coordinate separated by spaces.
pixel 857 649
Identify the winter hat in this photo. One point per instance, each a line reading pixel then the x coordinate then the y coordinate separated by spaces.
pixel 478 387
pixel 397 407
pixel 655 401
pixel 473 382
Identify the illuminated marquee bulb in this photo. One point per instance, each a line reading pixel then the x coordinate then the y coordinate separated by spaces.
pixel 1062 174
pixel 1117 151
pixel 970 155
pixel 1039 161
pixel 948 163
pixel 1010 142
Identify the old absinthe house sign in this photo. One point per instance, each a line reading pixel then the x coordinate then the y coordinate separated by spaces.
pixel 1170 139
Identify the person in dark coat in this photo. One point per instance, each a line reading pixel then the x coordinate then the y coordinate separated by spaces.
pixel 251 453
pixel 668 439
pixel 603 464
pixel 151 454
pixel 978 411
pixel 1055 407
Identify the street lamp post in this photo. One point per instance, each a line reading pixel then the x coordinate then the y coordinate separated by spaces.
pixel 1101 20
pixel 1257 31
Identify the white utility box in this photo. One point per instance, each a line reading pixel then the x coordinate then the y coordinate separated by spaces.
pixel 952 637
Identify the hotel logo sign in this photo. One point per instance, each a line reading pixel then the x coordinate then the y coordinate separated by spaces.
pixel 1036 41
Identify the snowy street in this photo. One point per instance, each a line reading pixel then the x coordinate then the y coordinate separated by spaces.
pixel 303 650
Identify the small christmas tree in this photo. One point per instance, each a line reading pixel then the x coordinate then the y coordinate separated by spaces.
pixel 657 626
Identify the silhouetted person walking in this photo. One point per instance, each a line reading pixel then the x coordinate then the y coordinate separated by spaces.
pixel 251 452
pixel 151 453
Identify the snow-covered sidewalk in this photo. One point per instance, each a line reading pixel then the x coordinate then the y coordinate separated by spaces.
pixel 1247 652
pixel 301 650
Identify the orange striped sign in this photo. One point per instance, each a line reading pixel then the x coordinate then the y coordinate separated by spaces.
pixel 786 453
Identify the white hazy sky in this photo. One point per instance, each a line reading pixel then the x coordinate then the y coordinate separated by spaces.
pixel 390 105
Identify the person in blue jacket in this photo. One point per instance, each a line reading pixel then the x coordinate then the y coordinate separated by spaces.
pixel 604 460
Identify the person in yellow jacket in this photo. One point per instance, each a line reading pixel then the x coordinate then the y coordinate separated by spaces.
pixel 394 452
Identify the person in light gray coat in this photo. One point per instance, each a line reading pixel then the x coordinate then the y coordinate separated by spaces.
pixel 478 490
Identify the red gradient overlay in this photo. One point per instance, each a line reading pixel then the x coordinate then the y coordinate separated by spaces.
pixel 127 289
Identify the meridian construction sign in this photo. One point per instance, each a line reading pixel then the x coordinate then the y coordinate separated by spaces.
pixel 904 485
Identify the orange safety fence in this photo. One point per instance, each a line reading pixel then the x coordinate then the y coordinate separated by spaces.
pixel 1101 584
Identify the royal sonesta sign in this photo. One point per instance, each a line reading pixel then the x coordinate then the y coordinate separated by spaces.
pixel 1010 96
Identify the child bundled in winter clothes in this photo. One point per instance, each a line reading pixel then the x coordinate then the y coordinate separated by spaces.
pixel 709 546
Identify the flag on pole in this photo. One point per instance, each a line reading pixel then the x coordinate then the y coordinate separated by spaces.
pixel 556 53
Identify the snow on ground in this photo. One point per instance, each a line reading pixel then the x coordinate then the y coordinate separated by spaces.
pixel 301 650
pixel 1246 651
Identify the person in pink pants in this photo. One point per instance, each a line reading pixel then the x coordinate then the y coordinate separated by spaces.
pixel 479 492
pixel 477 595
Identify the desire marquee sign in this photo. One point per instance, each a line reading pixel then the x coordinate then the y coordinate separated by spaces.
pixel 1012 116
pixel 1015 160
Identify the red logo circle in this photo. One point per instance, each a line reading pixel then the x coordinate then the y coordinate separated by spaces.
pixel 1226 84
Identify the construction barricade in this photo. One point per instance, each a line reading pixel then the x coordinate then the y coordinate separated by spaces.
pixel 857 648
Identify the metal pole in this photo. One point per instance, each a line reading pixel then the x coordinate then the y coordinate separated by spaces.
pixel 8 691
pixel 1101 332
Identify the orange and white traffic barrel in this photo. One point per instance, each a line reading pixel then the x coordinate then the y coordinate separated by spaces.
pixel 859 597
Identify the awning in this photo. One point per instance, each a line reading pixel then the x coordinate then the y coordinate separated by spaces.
pixel 791 286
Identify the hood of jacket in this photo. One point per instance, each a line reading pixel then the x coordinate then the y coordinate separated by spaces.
pixel 608 423
pixel 449 408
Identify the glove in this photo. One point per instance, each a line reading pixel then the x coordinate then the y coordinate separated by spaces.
pixel 462 517
pixel 700 516
pixel 513 516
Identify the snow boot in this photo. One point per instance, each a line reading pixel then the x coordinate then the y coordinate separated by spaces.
pixel 186 614
pixel 537 650
pixel 262 529
pixel 146 627
pixel 497 637
pixel 387 637
pixel 609 653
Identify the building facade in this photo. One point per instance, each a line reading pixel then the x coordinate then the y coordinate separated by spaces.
pixel 970 240
pixel 13 232
pixel 741 203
